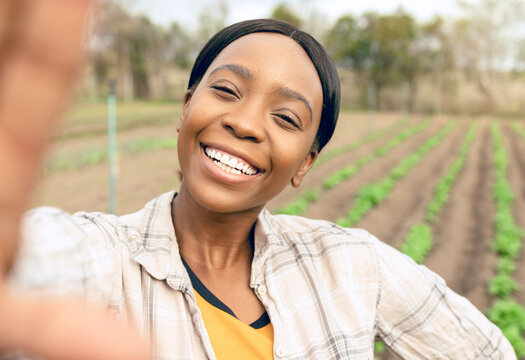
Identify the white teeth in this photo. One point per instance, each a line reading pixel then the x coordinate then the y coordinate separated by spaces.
pixel 231 165
pixel 232 162
pixel 225 159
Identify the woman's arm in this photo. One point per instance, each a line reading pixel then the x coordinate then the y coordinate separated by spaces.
pixel 41 53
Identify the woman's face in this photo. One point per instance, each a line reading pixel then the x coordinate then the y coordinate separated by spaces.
pixel 247 129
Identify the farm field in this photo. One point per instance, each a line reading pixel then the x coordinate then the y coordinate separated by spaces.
pixel 440 189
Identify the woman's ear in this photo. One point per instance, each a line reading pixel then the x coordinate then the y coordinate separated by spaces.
pixel 187 97
pixel 307 164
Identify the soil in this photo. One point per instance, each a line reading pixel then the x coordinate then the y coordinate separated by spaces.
pixel 463 232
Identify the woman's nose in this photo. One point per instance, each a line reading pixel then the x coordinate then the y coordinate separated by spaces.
pixel 246 125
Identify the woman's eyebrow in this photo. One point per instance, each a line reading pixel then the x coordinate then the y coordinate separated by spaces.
pixel 289 93
pixel 238 69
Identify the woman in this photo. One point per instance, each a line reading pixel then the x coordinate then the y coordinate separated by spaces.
pixel 207 272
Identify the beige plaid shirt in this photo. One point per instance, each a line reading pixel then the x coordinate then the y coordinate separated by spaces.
pixel 329 291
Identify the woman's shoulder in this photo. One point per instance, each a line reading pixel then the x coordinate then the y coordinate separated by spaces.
pixel 316 235
pixel 322 230
pixel 325 236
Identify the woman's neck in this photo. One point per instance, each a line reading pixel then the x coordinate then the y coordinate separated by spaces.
pixel 209 239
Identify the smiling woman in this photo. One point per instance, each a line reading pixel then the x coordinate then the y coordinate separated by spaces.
pixel 208 273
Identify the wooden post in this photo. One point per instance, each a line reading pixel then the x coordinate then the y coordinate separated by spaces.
pixel 112 148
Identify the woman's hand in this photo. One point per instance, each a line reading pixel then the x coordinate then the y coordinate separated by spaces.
pixel 41 53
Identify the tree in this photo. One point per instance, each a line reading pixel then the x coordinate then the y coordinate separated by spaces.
pixel 348 44
pixel 485 39
pixel 178 46
pixel 284 13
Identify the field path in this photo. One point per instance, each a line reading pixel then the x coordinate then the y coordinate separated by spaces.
pixel 515 146
pixel 406 204
pixel 463 232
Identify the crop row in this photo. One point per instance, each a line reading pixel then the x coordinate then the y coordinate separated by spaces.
pixel 420 239
pixel 299 205
pixel 330 154
pixel 91 119
pixel 369 196
pixel 505 312
pixel 348 171
pixel 89 157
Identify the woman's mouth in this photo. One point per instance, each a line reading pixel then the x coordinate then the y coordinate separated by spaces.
pixel 230 163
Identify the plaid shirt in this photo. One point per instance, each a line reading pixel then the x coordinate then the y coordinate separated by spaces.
pixel 329 291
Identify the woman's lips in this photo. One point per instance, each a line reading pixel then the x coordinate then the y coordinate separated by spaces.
pixel 230 163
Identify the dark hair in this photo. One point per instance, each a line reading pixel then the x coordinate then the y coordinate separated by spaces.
pixel 322 62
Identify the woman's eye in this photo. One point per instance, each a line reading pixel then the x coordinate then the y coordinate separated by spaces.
pixel 289 120
pixel 225 90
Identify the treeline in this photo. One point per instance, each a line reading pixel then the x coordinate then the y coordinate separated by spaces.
pixel 471 63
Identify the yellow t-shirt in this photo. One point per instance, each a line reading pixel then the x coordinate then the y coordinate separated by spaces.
pixel 231 338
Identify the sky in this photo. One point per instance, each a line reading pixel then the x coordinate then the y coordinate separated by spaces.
pixel 186 12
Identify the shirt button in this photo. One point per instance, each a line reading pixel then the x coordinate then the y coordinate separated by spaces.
pixel 279 352
pixel 261 290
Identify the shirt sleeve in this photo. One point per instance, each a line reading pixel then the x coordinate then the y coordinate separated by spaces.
pixel 419 317
pixel 63 254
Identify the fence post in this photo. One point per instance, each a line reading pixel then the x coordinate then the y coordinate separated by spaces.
pixel 372 105
pixel 112 148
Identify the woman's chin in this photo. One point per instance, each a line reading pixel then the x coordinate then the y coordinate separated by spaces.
pixel 224 202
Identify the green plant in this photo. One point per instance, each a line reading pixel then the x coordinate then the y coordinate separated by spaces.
pixel 418 242
pixel 299 206
pixel 379 347
pixel 509 316
pixel 502 285
pixel 505 266
pixel 442 190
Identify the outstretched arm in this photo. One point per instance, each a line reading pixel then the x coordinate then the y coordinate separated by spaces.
pixel 41 53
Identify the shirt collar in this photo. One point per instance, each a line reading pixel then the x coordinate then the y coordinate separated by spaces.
pixel 157 249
